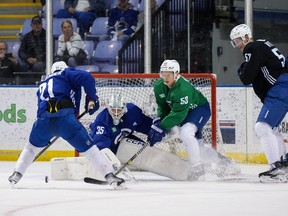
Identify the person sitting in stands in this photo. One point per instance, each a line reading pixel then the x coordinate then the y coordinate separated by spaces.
pixel 84 11
pixel 71 48
pixel 8 65
pixel 32 51
pixel 122 22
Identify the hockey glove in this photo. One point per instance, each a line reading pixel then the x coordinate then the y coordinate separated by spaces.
pixel 156 120
pixel 156 134
pixel 91 106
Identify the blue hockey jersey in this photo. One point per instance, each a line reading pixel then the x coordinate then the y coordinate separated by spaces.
pixel 107 135
pixel 125 21
pixel 65 84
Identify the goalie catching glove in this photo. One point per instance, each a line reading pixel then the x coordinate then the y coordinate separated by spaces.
pixel 156 133
pixel 91 106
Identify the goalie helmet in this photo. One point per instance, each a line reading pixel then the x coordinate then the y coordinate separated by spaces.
pixel 240 31
pixel 58 66
pixel 116 108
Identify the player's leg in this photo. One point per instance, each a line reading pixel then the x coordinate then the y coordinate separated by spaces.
pixel 271 114
pixel 190 132
pixel 40 135
pixel 280 141
pixel 74 133
pixel 222 165
pixel 187 135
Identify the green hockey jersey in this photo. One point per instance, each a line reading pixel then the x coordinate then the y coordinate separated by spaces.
pixel 174 104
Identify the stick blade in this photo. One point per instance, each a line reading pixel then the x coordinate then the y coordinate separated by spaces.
pixel 94 181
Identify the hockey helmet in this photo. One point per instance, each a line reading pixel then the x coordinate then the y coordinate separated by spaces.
pixel 171 66
pixel 58 66
pixel 240 31
pixel 116 108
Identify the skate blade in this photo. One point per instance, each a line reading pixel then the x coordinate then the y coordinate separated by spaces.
pixel 273 179
pixel 118 187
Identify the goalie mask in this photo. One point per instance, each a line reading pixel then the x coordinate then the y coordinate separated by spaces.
pixel 117 108
pixel 240 32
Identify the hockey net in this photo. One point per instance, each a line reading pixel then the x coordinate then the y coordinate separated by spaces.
pixel 138 89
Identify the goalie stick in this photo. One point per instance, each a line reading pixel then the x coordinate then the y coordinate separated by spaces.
pixel 54 140
pixel 99 182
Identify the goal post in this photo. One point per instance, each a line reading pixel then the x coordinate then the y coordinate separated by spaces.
pixel 138 89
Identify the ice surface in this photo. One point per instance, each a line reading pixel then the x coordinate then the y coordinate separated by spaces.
pixel 153 195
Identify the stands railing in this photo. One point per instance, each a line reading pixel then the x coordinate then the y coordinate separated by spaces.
pixel 170 37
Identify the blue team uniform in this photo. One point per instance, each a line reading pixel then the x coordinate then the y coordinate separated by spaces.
pixel 265 69
pixel 59 98
pixel 125 21
pixel 107 135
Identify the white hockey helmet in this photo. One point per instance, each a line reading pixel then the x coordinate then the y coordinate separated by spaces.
pixel 240 31
pixel 58 66
pixel 116 108
pixel 170 65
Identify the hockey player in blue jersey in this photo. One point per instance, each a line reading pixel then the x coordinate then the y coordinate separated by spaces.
pixel 59 98
pixel 117 121
pixel 264 68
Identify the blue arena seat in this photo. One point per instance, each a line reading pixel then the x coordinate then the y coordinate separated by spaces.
pixel 98 28
pixel 89 68
pixel 56 6
pixel 113 69
pixel 106 53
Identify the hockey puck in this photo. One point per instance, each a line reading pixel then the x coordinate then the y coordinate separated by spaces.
pixel 46 179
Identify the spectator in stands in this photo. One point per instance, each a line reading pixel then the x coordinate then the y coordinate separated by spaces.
pixel 122 22
pixel 84 11
pixel 154 7
pixel 32 51
pixel 71 48
pixel 8 65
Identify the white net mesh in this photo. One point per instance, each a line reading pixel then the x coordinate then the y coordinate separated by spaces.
pixel 139 90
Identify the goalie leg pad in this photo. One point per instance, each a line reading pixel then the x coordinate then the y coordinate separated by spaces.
pixel 154 160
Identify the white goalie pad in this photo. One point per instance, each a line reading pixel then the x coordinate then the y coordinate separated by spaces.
pixel 154 160
pixel 77 168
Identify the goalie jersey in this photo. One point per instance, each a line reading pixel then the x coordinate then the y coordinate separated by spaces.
pixel 107 135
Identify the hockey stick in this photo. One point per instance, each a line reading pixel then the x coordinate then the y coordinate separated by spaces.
pixel 96 181
pixel 54 140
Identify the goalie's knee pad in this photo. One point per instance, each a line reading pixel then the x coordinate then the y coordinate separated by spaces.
pixel 262 129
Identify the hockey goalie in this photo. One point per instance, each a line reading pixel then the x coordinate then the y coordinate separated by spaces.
pixel 119 127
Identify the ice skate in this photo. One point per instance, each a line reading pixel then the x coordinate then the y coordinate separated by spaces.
pixel 197 173
pixel 115 182
pixel 226 167
pixel 278 173
pixel 14 178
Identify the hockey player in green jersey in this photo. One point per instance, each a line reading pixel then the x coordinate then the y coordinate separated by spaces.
pixel 181 104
